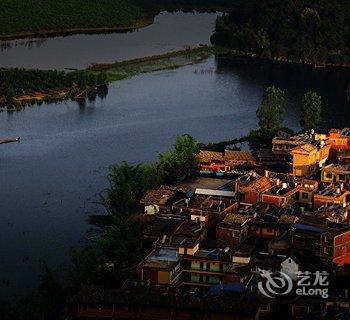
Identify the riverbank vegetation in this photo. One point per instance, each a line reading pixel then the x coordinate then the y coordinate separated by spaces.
pixel 312 32
pixel 167 61
pixel 118 242
pixel 20 86
pixel 24 18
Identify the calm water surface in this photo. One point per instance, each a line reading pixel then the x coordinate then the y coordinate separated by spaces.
pixel 168 33
pixel 49 182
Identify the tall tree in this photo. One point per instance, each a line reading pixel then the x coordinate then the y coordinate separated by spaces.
pixel 271 110
pixel 270 115
pixel 311 111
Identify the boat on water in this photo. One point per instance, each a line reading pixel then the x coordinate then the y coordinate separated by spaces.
pixel 3 141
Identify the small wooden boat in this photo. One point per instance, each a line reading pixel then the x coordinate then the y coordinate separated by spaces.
pixel 17 139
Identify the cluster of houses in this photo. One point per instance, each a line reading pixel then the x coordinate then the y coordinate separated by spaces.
pixel 215 233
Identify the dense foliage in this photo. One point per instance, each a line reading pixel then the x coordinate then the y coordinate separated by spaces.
pixel 313 31
pixel 18 82
pixel 19 16
pixel 120 238
pixel 270 115
pixel 31 16
pixel 311 111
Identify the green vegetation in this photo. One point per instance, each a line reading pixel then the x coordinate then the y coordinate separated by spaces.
pixel 270 115
pixel 20 85
pixel 171 60
pixel 310 31
pixel 28 17
pixel 34 16
pixel 119 240
pixel 270 118
pixel 311 111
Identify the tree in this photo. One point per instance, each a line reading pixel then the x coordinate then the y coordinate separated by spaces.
pixel 271 110
pixel 178 162
pixel 311 111
pixel 270 118
pixel 121 239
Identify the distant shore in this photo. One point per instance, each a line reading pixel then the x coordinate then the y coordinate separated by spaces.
pixel 114 72
pixel 72 31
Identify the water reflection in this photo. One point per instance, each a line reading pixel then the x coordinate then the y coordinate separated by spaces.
pixel 169 32
pixel 295 80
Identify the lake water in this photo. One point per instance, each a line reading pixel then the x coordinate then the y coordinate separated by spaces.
pixel 168 33
pixel 49 182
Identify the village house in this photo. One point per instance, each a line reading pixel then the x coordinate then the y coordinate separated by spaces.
pixel 234 229
pixel 305 238
pixel 282 194
pixel 161 266
pixel 308 158
pixel 332 194
pixel 341 248
pixel 336 174
pixel 236 159
pixel 283 144
pixel 307 189
pixel 204 267
pixel 251 187
pixel 337 213
pixel 210 161
pixel 335 245
pixel 339 139
pixel 207 205
pixel 158 229
pixel 213 161
pixel 154 200
pixel 187 236
pixel 342 156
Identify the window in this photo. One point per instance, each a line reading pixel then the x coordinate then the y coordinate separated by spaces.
pixel 341 177
pixel 329 175
pixel 305 195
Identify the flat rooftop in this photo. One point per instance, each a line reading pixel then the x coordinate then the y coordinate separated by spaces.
pixel 204 183
pixel 162 258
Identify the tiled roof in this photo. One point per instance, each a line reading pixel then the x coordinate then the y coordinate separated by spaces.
pixel 260 184
pixel 208 156
pixel 239 155
pixel 160 196
pixel 305 148
pixel 233 218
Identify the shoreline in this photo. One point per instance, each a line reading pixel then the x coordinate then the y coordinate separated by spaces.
pixel 72 31
pixel 118 71
pixel 280 60
pixel 101 30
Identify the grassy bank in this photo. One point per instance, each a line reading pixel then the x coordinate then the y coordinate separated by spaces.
pixel 172 60
pixel 19 86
